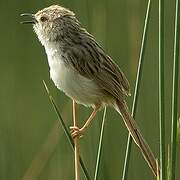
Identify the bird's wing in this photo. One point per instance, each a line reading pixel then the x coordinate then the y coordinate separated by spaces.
pixel 91 62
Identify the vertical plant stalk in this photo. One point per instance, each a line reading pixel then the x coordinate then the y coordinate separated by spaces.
pixel 175 92
pixel 98 159
pixel 137 87
pixel 76 144
pixel 168 163
pixel 161 91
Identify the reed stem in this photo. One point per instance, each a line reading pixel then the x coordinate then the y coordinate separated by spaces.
pixel 175 92
pixel 76 143
pixel 98 159
pixel 161 91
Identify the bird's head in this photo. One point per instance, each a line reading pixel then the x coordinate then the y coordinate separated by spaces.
pixel 52 22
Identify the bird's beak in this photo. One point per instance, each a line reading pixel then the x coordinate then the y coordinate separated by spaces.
pixel 31 16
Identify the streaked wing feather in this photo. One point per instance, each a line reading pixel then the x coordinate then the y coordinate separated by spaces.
pixel 99 67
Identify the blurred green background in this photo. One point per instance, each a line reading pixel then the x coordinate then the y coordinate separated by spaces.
pixel 32 144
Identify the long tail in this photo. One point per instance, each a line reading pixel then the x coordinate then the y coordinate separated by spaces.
pixel 132 127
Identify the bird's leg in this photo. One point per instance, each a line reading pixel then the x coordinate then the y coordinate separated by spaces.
pixel 75 131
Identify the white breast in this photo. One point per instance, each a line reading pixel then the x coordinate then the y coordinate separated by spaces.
pixel 79 88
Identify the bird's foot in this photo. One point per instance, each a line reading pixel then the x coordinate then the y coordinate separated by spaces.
pixel 76 132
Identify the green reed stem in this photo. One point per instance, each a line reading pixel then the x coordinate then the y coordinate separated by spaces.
pixel 98 159
pixel 175 92
pixel 66 130
pixel 136 90
pixel 161 91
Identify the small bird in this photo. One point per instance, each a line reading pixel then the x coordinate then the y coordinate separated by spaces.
pixel 83 71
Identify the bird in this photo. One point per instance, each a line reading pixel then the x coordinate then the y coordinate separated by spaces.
pixel 81 68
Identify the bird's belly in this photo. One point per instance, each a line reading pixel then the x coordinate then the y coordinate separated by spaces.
pixel 79 88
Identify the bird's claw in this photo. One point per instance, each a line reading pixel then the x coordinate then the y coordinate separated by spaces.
pixel 76 132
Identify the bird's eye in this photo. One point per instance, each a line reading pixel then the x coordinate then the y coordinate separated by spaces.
pixel 43 18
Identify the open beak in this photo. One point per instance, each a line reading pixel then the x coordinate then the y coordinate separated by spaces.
pixel 31 16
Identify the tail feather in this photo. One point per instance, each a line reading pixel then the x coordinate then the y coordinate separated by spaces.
pixel 133 129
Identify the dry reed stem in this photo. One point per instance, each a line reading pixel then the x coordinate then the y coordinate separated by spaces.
pixel 158 173
pixel 76 144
